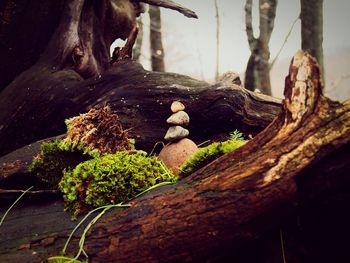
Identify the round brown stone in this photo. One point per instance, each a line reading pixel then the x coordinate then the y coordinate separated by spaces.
pixel 175 154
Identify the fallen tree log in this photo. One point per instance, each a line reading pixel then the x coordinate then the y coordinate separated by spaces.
pixel 74 73
pixel 225 202
pixel 142 103
pixel 301 155
pixel 142 100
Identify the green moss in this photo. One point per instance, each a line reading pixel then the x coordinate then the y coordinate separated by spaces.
pixel 111 179
pixel 68 123
pixel 63 259
pixel 236 135
pixel 211 152
pixel 132 144
pixel 54 157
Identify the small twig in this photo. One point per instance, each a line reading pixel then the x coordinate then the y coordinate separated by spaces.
pixel 126 51
pixel 284 43
pixel 171 5
pixel 6 191
pixel 335 83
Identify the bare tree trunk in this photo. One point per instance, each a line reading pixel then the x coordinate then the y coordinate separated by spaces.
pixel 258 72
pixel 138 45
pixel 217 39
pixel 157 51
pixel 312 29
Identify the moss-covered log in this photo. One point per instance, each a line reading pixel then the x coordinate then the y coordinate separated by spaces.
pixel 222 204
pixel 301 155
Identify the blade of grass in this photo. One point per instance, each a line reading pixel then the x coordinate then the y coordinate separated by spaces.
pixel 282 247
pixel 106 208
pixel 87 228
pixel 152 187
pixel 83 220
pixel 14 203
pixel 155 145
pixel 94 220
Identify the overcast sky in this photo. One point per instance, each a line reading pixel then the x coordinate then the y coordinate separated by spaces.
pixel 190 43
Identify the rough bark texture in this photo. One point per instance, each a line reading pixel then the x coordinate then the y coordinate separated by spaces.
pixel 140 98
pixel 27 26
pixel 219 204
pixel 157 50
pixel 214 110
pixel 225 205
pixel 258 72
pixel 20 51
pixel 65 79
pixel 312 29
pixel 301 155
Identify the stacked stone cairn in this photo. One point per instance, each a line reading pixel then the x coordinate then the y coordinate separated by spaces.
pixel 180 148
pixel 178 119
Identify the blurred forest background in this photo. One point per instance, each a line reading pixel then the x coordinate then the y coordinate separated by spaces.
pixel 190 46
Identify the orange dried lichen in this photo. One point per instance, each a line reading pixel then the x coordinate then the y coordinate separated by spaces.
pixel 98 129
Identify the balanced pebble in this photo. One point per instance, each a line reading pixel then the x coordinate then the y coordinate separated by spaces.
pixel 176 133
pixel 177 106
pixel 179 118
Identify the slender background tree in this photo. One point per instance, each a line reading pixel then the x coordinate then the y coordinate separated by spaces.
pixel 258 72
pixel 157 50
pixel 217 17
pixel 138 44
pixel 312 29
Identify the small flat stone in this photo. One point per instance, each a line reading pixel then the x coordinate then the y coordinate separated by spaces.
pixel 175 133
pixel 179 118
pixel 177 106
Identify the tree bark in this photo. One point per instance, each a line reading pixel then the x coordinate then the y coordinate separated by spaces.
pixel 77 51
pixel 171 5
pixel 312 29
pixel 157 50
pixel 214 110
pixel 37 22
pixel 226 197
pixel 226 204
pixel 258 72
pixel 301 155
pixel 135 95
